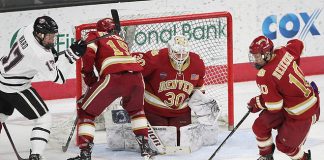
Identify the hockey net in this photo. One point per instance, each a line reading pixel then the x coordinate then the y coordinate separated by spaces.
pixel 210 36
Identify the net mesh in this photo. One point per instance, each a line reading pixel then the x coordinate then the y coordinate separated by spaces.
pixel 208 36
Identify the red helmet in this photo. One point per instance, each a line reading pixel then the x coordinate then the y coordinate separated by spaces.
pixel 105 25
pixel 261 45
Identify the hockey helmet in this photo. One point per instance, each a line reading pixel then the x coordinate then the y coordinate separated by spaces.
pixel 105 25
pixel 179 49
pixel 261 45
pixel 45 30
pixel 260 51
pixel 45 25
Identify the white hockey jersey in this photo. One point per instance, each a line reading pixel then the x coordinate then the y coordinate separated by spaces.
pixel 26 59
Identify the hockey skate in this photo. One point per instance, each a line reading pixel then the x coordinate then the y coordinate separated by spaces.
pixel 266 157
pixel 146 151
pixel 307 156
pixel 85 154
pixel 35 157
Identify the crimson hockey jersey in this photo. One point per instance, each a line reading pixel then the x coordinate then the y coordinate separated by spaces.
pixel 167 90
pixel 283 85
pixel 108 55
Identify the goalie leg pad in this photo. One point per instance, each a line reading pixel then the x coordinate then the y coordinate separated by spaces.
pixel 197 135
pixel 40 133
pixel 191 137
pixel 121 137
pixel 166 134
pixel 209 134
pixel 179 121
pixel 116 136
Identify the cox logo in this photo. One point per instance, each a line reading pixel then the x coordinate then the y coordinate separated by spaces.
pixel 290 25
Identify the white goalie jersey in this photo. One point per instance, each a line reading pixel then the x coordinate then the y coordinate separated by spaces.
pixel 26 59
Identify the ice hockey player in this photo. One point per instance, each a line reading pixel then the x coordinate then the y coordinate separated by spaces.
pixel 288 103
pixel 118 76
pixel 174 85
pixel 33 54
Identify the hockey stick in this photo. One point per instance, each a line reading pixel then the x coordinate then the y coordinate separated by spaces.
pixel 219 147
pixel 66 146
pixel 115 16
pixel 162 149
pixel 11 142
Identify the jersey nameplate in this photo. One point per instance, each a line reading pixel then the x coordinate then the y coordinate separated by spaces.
pixel 23 42
pixel 283 65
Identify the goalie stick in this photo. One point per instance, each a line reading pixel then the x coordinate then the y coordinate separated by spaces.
pixel 162 149
pixel 229 135
pixel 11 142
pixel 115 16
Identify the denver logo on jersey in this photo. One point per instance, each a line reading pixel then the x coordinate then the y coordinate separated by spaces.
pixel 194 77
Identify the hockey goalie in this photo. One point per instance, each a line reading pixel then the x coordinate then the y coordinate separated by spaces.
pixel 174 100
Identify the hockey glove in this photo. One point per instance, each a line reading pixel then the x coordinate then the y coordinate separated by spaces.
pixel 76 50
pixel 90 78
pixel 256 104
pixel 314 86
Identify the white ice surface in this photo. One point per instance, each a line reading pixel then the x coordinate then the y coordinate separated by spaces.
pixel 240 146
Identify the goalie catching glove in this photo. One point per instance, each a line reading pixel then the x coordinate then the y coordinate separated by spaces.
pixel 75 51
pixel 206 109
pixel 256 104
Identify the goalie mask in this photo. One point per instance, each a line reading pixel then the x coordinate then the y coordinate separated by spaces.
pixel 45 31
pixel 178 50
pixel 261 50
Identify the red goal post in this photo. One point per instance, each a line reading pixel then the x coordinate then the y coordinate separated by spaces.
pixel 210 35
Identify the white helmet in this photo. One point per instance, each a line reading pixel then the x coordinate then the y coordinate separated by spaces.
pixel 178 49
